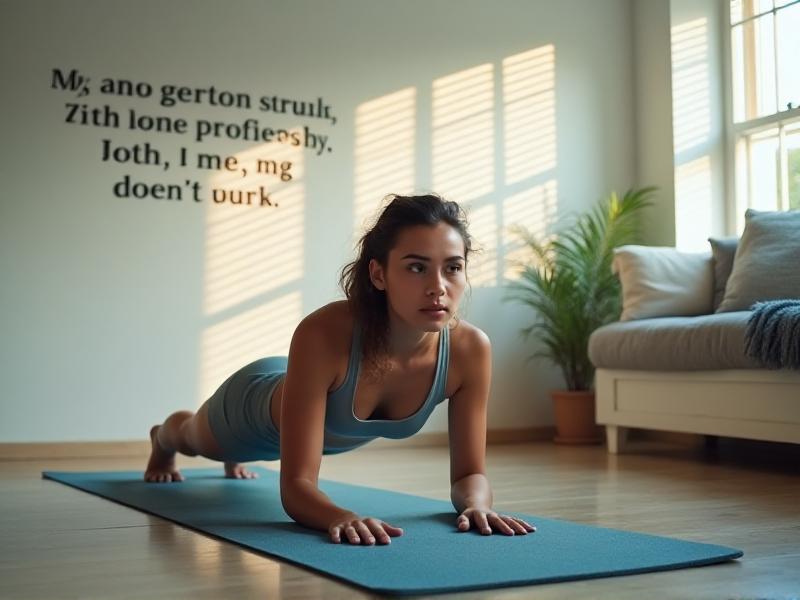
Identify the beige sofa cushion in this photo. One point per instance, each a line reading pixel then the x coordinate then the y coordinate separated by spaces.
pixel 660 282
pixel 674 344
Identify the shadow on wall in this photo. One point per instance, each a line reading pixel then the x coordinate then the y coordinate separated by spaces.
pixel 492 141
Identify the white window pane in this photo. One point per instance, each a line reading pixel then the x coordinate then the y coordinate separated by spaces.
pixel 779 3
pixel 753 68
pixel 763 6
pixel 788 53
pixel 766 100
pixel 736 11
pixel 792 141
pixel 764 170
pixel 741 182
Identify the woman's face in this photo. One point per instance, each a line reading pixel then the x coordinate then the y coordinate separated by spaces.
pixel 426 268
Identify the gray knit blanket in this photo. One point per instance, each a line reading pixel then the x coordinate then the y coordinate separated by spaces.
pixel 773 334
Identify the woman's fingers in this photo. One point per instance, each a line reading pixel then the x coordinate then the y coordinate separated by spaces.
pixel 502 524
pixel 482 523
pixel 364 531
pixel 515 525
pixel 463 523
pixel 382 530
pixel 391 529
pixel 486 521
pixel 364 534
pixel 336 537
pixel 526 527
pixel 351 534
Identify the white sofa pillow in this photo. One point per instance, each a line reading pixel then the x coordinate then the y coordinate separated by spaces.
pixel 663 282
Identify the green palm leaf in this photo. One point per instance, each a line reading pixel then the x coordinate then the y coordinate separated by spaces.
pixel 569 285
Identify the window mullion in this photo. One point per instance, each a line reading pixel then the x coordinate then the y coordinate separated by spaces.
pixel 775 55
pixel 749 56
pixel 753 15
pixel 766 122
pixel 783 169
pixel 749 172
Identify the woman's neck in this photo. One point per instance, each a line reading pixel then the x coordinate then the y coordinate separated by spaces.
pixel 406 343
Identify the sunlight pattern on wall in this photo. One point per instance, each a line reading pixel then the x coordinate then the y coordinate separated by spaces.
pixel 535 209
pixel 254 263
pixel 692 205
pixel 253 249
pixel 384 152
pixel 483 227
pixel 464 163
pixel 691 113
pixel 463 133
pixel 529 109
pixel 247 335
pixel 691 108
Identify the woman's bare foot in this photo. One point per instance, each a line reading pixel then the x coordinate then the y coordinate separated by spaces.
pixel 238 471
pixel 161 466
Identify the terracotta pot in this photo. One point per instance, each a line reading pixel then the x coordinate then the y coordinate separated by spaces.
pixel 575 417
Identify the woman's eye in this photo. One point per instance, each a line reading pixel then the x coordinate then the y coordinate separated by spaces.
pixel 419 268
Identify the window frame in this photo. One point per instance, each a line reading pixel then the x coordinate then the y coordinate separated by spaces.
pixel 740 199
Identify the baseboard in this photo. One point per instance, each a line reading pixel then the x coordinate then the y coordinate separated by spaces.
pixel 57 450
pixel 137 448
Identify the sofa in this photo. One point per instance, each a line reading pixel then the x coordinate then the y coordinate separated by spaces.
pixel 677 360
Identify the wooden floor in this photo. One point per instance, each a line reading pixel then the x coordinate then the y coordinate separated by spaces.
pixel 58 542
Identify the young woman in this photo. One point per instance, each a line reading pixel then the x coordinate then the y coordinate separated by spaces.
pixel 373 365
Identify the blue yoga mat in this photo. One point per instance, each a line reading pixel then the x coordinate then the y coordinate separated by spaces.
pixel 430 557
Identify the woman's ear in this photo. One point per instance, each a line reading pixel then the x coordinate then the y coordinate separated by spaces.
pixel 377 275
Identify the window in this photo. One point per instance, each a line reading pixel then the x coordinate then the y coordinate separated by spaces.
pixel 765 79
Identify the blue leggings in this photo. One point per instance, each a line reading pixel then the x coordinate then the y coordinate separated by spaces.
pixel 239 412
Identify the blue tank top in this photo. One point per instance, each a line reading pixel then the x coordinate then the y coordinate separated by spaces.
pixel 345 431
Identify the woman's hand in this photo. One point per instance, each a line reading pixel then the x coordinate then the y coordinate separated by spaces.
pixel 359 530
pixel 485 519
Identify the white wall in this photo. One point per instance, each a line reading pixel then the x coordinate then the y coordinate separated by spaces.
pixel 116 312
pixel 680 127
pixel 653 92
pixel 698 121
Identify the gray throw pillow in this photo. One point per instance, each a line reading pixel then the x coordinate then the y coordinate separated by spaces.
pixel 722 253
pixel 767 261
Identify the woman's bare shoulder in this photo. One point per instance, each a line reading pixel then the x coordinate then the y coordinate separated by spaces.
pixel 466 337
pixel 332 313
pixel 470 353
pixel 323 342
pixel 334 321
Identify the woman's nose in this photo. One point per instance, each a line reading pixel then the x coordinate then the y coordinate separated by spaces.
pixel 436 285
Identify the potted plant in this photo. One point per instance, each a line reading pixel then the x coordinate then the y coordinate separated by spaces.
pixel 570 285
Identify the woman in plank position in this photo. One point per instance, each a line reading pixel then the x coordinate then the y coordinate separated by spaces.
pixel 373 365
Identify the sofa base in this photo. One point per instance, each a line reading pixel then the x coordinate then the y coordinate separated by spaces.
pixel 758 404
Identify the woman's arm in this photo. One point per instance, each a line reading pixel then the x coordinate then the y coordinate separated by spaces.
pixel 470 491
pixel 302 425
pixel 302 433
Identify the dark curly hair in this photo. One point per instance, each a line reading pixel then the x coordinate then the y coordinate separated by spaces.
pixel 367 303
